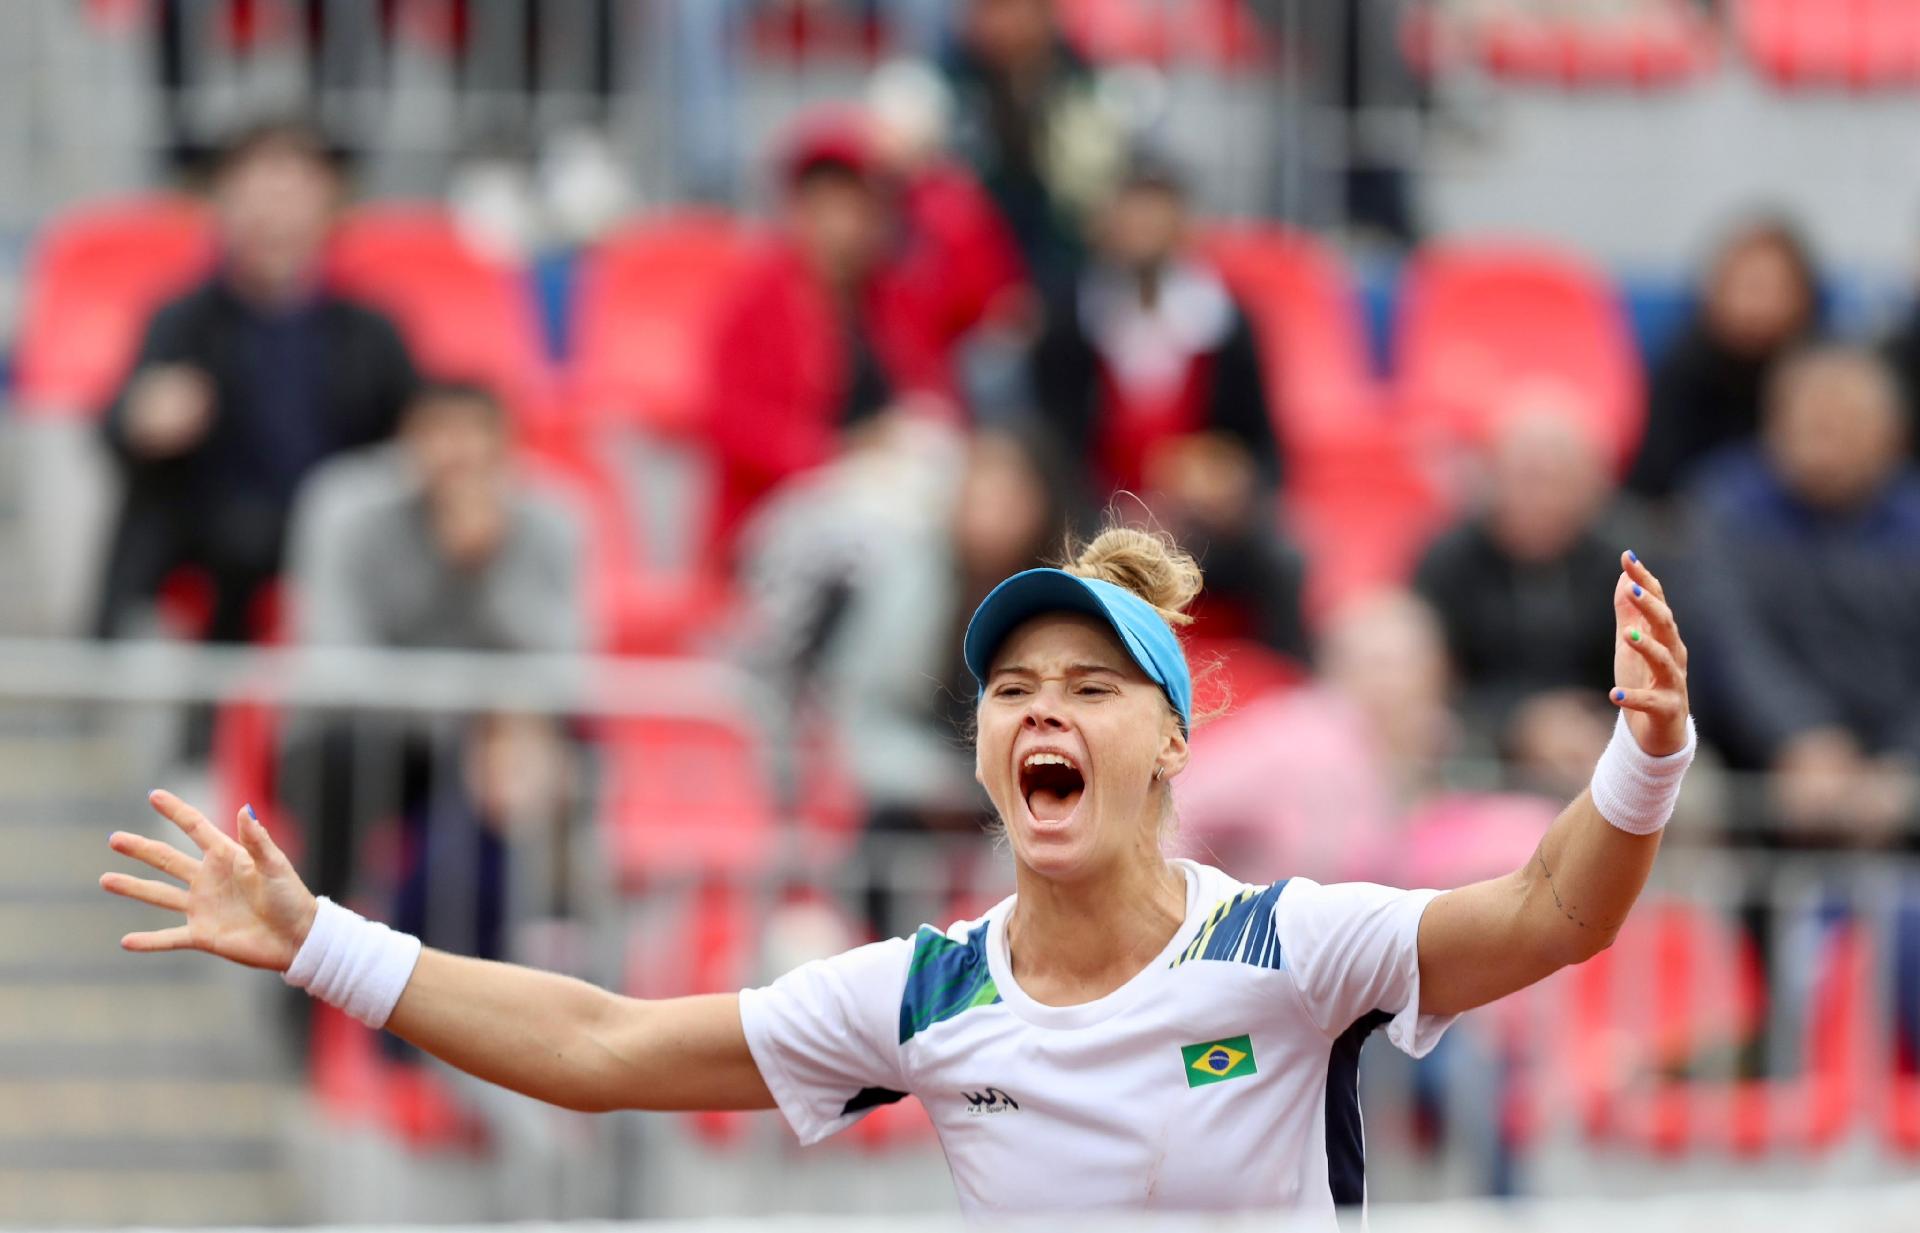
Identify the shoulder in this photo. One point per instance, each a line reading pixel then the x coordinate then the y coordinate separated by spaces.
pixel 947 974
pixel 361 321
pixel 1735 484
pixel 1460 550
pixel 1238 926
pixel 355 491
pixel 194 308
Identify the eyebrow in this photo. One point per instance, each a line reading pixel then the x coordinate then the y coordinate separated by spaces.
pixel 1072 669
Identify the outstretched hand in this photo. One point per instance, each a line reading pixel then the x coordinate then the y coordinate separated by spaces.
pixel 242 899
pixel 1649 661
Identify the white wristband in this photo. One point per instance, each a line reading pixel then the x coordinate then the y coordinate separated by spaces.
pixel 1633 789
pixel 355 964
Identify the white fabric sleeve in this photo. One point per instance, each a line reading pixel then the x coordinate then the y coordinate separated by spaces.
pixel 826 1037
pixel 1353 949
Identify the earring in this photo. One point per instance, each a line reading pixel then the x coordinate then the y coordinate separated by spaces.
pixel 1159 773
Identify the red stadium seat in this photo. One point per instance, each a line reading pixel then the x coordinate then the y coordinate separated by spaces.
pixel 1488 331
pixel 1851 44
pixel 96 276
pixel 686 796
pixel 1232 672
pixel 1220 33
pixel 1645 49
pixel 465 315
pixel 1307 315
pixel 636 609
pixel 649 303
pixel 1695 993
pixel 1362 508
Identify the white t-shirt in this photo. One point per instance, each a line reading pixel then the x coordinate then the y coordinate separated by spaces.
pixel 1223 1075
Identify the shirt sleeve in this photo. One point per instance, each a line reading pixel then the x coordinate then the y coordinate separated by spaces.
pixel 1354 949
pixel 826 1037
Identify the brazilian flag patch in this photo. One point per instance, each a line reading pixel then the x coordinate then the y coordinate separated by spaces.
pixel 1218 1060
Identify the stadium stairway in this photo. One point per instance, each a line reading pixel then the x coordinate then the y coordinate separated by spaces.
pixel 150 1090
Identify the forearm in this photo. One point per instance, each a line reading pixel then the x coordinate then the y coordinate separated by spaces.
pixel 571 1044
pixel 1582 881
pixel 524 1029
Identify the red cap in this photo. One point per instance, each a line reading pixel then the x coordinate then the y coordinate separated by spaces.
pixel 834 133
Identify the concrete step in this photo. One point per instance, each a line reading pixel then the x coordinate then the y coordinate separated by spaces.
pixel 80 930
pixel 41 770
pixel 83 1109
pixel 64 861
pixel 198 1012
pixel 223 1027
pixel 106 1197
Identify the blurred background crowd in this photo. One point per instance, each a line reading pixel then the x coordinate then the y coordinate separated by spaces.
pixel 764 336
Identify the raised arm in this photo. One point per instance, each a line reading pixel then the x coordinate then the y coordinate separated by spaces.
pixel 548 1036
pixel 1484 941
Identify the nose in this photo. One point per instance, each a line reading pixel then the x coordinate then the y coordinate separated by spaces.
pixel 1043 712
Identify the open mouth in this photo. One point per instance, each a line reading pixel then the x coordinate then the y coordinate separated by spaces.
pixel 1052 786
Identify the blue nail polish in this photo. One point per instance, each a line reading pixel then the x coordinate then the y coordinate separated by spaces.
pixel 1619 695
pixel 1632 556
pixel 1637 591
pixel 251 814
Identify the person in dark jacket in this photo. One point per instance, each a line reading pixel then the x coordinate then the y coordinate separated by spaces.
pixel 1515 587
pixel 242 387
pixel 1148 372
pixel 1808 579
pixel 1028 121
pixel 1760 300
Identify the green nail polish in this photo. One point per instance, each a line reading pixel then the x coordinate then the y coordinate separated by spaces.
pixel 1634 634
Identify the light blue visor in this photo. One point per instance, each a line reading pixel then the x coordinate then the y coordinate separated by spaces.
pixel 1036 591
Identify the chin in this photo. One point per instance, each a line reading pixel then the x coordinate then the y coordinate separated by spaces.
pixel 1061 851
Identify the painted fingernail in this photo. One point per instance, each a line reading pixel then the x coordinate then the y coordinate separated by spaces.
pixel 1619 695
pixel 256 817
pixel 1637 591
pixel 1634 634
pixel 1633 556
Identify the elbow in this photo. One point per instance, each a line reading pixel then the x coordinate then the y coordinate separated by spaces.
pixel 1574 943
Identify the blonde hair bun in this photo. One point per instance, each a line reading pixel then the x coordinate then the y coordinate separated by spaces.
pixel 1148 563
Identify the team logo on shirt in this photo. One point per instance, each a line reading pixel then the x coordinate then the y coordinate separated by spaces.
pixel 993 1100
pixel 1216 1061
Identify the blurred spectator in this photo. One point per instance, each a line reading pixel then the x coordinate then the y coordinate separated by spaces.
pixel 1523 589
pixel 1808 593
pixel 859 579
pixel 1319 780
pixel 954 248
pixel 453 553
pixel 1902 351
pixel 242 387
pixel 1148 371
pixel 1759 300
pixel 823 333
pixel 439 548
pixel 1028 121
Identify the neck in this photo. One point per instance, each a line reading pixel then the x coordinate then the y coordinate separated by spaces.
pixel 1078 941
pixel 269 295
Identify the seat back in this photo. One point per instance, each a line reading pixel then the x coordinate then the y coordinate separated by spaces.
pixel 1488 331
pixel 465 314
pixel 687 796
pixel 645 318
pixel 96 276
pixel 1306 313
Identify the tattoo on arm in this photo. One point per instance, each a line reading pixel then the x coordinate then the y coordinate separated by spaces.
pixel 1540 855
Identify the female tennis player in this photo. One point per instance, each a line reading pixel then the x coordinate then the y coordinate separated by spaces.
pixel 1124 1031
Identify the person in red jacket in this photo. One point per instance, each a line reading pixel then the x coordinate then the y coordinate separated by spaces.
pixel 832 328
